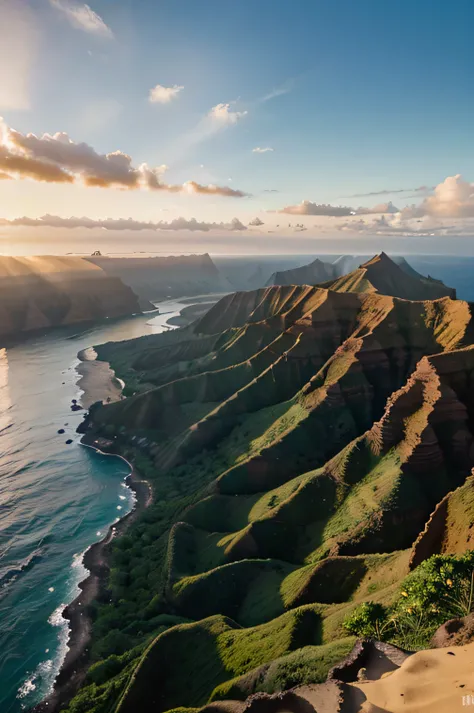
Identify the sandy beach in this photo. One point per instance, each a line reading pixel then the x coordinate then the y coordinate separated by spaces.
pixel 432 681
pixel 98 381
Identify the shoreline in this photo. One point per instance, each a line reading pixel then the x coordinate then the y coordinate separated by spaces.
pixel 97 382
pixel 95 559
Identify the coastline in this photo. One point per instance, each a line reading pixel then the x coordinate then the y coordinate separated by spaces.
pixel 96 560
pixel 97 382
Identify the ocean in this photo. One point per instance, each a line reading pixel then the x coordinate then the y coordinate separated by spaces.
pixel 55 499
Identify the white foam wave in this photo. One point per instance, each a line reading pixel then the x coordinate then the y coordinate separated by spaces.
pixel 41 677
pixel 27 688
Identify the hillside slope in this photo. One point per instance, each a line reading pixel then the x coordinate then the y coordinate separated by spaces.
pixel 312 274
pixel 49 291
pixel 298 440
pixel 382 274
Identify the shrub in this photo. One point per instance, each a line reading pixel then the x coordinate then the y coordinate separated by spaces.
pixel 441 588
pixel 369 620
pixel 443 585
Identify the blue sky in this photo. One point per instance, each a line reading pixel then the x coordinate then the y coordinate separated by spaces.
pixel 352 98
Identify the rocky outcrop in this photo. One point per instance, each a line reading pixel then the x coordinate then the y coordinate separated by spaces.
pixel 455 632
pixel 51 291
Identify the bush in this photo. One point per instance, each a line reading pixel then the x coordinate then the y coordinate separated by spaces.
pixel 369 620
pixel 441 588
pixel 443 585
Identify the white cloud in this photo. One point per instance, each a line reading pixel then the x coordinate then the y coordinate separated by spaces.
pixel 219 118
pixel 18 47
pixel 223 115
pixel 83 17
pixel 336 211
pixel 163 95
pixel 258 149
pixel 453 198
pixel 55 221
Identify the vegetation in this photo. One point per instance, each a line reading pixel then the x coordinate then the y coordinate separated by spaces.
pixel 297 441
pixel 441 588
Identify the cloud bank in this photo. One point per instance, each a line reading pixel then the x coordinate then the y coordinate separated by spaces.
pixel 449 211
pixel 55 221
pixel 58 159
pixel 334 211
pixel 310 208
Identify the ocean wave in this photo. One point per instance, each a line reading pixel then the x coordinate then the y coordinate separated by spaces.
pixel 39 679
pixel 26 564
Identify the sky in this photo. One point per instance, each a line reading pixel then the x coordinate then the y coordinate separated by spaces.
pixel 236 127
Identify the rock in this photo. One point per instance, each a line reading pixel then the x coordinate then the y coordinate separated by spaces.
pixel 370 660
pixel 76 407
pixel 69 441
pixel 455 632
pixel 61 430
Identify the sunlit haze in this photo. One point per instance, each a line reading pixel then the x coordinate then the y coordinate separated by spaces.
pixel 268 127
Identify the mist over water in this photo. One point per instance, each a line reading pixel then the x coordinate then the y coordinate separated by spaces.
pixel 55 500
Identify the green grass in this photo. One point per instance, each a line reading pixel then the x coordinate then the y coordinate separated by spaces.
pixel 309 664
pixel 247 591
pixel 189 661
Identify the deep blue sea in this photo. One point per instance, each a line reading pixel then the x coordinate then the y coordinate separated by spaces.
pixel 55 500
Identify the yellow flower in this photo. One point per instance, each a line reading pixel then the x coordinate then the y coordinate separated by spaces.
pixel 410 610
pixel 404 594
pixel 449 582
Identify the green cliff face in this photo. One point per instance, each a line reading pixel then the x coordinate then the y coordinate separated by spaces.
pixel 297 440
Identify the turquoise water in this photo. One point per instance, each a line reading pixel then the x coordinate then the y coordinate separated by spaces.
pixel 55 501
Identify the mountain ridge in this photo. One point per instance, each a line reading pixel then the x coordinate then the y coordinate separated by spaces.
pixel 382 274
pixel 298 440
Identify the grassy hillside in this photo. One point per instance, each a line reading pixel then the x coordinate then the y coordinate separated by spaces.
pixel 299 442
pixel 381 274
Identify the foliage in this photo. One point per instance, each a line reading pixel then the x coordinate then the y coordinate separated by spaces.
pixel 441 588
pixel 369 620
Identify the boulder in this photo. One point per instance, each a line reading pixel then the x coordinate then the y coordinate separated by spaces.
pixel 455 632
